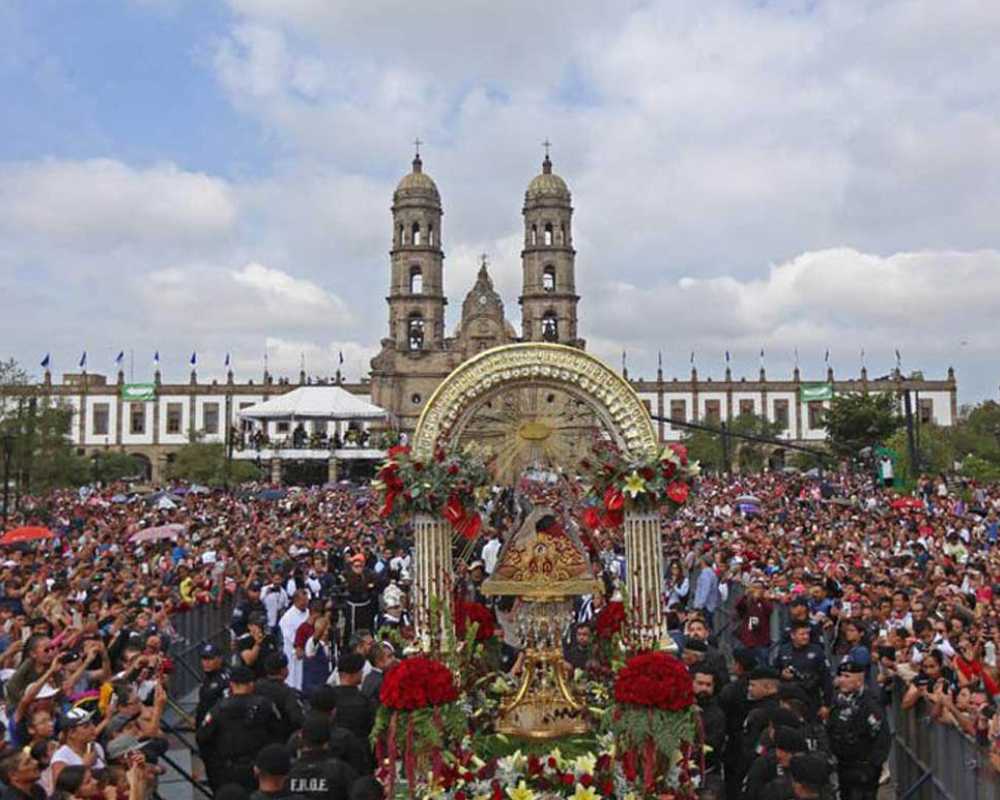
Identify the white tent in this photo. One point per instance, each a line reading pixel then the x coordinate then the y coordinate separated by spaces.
pixel 314 402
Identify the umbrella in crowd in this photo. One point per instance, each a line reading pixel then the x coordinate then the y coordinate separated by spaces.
pixel 156 498
pixel 26 534
pixel 748 499
pixel 272 494
pixel 119 498
pixel 901 503
pixel 158 533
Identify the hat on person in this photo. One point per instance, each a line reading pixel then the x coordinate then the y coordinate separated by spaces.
pixel 860 655
pixel 476 565
pixel 47 691
pixel 764 673
pixel 790 740
pixel 232 791
pixel 350 663
pixel 784 717
pixel 209 650
pixel 241 674
pixel 121 745
pixel 357 558
pixel 74 718
pixel 852 667
pixel 792 691
pixel 255 586
pixel 809 769
pixel 274 759
pixel 316 731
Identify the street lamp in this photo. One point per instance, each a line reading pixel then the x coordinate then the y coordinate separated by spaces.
pixel 97 468
pixel 8 452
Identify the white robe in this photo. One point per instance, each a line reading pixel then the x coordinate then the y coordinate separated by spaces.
pixel 289 625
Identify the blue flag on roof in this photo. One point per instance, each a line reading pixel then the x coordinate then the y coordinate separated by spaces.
pixel 194 359
pixel 45 361
pixel 83 360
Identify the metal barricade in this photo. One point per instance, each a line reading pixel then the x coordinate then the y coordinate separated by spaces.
pixel 932 761
pixel 195 628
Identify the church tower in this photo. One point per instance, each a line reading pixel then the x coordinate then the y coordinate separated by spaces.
pixel 548 295
pixel 416 292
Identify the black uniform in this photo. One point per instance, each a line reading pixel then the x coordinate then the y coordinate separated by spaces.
pixel 213 688
pixel 755 724
pixel 232 734
pixel 714 724
pixel 268 647
pixel 735 704
pixel 320 776
pixel 354 712
pixel 859 738
pixel 286 700
pixel 763 770
pixel 811 669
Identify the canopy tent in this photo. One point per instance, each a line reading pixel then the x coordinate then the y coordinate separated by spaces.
pixel 314 402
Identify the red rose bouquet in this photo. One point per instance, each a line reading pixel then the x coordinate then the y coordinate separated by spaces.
pixel 654 721
pixel 610 620
pixel 419 716
pixel 469 613
pixel 618 482
pixel 449 485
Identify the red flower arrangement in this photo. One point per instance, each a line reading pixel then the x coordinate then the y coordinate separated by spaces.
pixel 618 482
pixel 610 620
pixel 418 682
pixel 468 613
pixel 655 680
pixel 448 486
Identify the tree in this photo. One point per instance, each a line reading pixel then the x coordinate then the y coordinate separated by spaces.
pixel 935 449
pixel 113 466
pixel 855 421
pixel 206 463
pixel 978 433
pixel 749 456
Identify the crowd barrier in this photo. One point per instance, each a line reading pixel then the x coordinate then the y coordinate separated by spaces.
pixel 195 628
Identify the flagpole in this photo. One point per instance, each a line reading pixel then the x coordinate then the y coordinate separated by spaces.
pixel 131 365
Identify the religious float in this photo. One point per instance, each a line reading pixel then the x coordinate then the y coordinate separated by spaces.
pixel 456 722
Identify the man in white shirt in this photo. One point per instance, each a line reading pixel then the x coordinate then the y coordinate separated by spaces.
pixel 275 600
pixel 491 551
pixel 290 622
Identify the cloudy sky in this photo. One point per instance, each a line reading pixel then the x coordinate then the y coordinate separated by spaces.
pixel 216 175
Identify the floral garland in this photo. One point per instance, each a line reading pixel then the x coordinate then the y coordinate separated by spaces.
pixel 617 482
pixel 467 614
pixel 418 716
pixel 450 486
pixel 654 723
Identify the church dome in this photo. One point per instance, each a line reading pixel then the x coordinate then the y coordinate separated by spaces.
pixel 417 184
pixel 548 185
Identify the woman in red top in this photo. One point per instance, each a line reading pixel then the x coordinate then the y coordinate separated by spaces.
pixel 969 666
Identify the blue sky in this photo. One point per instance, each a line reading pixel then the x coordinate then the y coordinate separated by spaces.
pixel 216 175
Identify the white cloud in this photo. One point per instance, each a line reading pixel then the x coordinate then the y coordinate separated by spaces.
pixel 253 298
pixel 103 203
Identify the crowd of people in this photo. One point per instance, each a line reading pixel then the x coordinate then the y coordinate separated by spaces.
pixel 799 604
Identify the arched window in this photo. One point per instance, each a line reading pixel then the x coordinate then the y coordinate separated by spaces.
pixel 534 234
pixel 430 235
pixel 562 233
pixel 416 280
pixel 400 236
pixel 550 327
pixel 415 331
pixel 549 279
pixel 416 233
pixel 548 234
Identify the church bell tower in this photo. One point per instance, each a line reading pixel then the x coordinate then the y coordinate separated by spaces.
pixel 416 292
pixel 548 295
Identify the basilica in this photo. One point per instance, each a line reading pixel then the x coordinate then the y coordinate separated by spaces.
pixel 417 354
pixel 153 420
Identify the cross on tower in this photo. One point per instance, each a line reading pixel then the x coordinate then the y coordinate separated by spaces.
pixel 417 143
pixel 483 258
pixel 546 144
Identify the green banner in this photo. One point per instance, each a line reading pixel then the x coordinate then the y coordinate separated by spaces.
pixel 137 392
pixel 812 392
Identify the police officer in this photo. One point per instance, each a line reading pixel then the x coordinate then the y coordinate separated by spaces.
pixel 798 611
pixel 255 646
pixel 810 778
pixel 215 683
pixel 284 697
pixel 734 700
pixel 250 606
pixel 271 767
pixel 804 662
pixel 763 693
pixel 767 778
pixel 858 733
pixel 318 774
pixel 235 730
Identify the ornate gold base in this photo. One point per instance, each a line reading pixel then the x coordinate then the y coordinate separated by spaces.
pixel 544 706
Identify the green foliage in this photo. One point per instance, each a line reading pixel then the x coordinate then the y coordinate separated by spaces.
pixel 748 456
pixel 934 446
pixel 979 469
pixel 114 466
pixel 206 463
pixel 855 421
pixel 978 433
pixel 633 725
